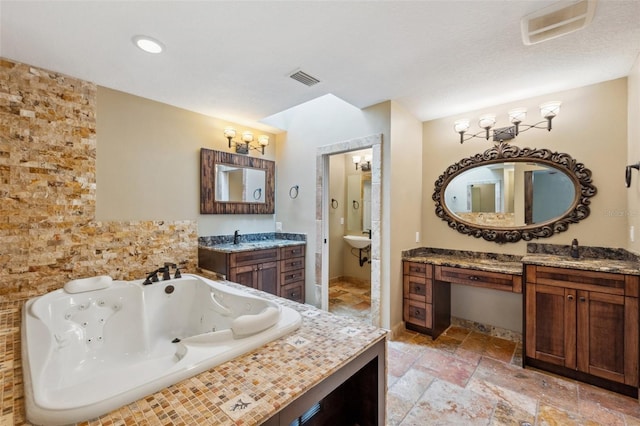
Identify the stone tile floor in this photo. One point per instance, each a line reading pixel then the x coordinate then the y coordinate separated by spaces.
pixel 468 378
pixel 353 299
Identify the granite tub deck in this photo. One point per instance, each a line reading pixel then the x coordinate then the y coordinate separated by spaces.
pixel 247 390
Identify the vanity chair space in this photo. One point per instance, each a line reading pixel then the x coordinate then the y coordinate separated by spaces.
pixel 429 272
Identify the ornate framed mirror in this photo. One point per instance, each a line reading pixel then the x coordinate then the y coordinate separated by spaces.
pixel 236 184
pixel 507 194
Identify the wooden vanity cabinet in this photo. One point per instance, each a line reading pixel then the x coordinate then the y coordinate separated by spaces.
pixel 583 324
pixel 257 268
pixel 292 262
pixel 277 270
pixel 427 303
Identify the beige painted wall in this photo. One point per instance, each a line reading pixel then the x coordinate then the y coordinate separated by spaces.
pixel 323 121
pixel 402 208
pixel 633 154
pixel 148 163
pixel 337 191
pixel 591 127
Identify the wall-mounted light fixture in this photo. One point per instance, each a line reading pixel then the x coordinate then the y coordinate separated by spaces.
pixel 365 165
pixel 243 147
pixel 548 111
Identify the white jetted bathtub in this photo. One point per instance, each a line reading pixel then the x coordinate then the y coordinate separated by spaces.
pixel 97 345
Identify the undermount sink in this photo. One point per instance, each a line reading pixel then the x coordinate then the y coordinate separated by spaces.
pixel 357 241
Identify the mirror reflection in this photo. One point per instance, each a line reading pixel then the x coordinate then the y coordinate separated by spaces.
pixel 359 193
pixel 510 194
pixel 239 184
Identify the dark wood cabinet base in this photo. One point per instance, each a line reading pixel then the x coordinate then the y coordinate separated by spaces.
pixel 583 377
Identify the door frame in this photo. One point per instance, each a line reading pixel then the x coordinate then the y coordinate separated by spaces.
pixel 322 214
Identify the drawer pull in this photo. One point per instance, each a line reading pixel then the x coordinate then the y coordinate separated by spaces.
pixel 583 299
pixel 473 278
pixel 570 297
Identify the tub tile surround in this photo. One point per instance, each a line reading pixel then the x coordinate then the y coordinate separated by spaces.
pixel 268 378
pixel 48 230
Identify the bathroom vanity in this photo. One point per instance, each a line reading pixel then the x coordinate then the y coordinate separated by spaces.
pixel 428 274
pixel 581 316
pixel 581 319
pixel 274 265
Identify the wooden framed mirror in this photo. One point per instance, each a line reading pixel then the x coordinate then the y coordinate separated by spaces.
pixel 508 194
pixel 236 184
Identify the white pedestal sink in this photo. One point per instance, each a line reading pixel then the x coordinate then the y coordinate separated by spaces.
pixel 357 241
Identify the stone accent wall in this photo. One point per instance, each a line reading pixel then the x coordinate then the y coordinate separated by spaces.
pixel 48 232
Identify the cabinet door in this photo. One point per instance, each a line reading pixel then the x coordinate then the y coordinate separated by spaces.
pixel 244 275
pixel 267 277
pixel 607 338
pixel 551 324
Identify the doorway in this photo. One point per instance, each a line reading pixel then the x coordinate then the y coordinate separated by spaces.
pixel 350 215
pixel 324 204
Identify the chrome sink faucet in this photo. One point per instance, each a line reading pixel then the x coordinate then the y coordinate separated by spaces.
pixel 236 236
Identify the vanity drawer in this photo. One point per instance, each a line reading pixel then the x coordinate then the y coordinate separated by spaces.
pixel 418 269
pixel 293 292
pixel 476 278
pixel 291 277
pixel 291 252
pixel 253 257
pixel 583 280
pixel 418 313
pixel 291 264
pixel 417 288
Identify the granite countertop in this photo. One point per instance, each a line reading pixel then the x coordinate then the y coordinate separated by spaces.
pixel 248 242
pixel 627 267
pixel 251 245
pixel 492 262
pixel 599 259
pixel 269 378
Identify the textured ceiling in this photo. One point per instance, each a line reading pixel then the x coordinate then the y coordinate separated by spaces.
pixel 232 59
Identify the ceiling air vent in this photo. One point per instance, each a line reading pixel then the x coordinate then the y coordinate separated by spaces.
pixel 304 78
pixel 556 20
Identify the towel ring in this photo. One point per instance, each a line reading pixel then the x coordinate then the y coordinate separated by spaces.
pixel 334 203
pixel 627 173
pixel 293 191
pixel 258 192
pixel 356 205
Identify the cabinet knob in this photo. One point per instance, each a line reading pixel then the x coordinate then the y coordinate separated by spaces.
pixel 570 297
pixel 473 278
pixel 583 299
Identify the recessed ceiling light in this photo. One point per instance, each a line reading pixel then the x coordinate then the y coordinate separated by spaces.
pixel 148 44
